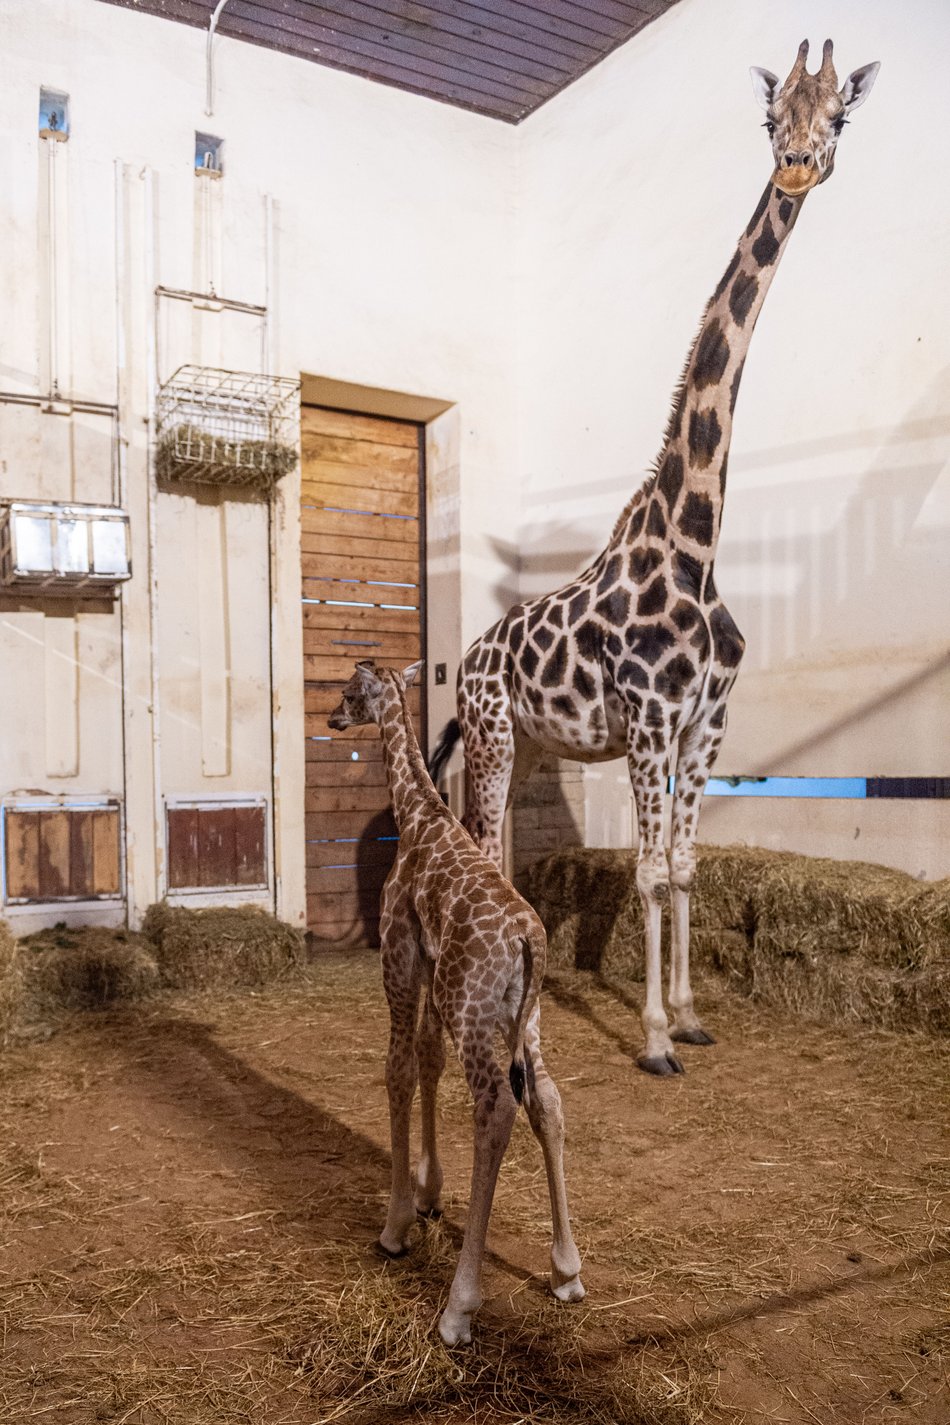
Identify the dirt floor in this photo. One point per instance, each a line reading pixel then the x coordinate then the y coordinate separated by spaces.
pixel 190 1191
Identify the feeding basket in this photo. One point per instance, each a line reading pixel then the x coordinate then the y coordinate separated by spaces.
pixel 231 429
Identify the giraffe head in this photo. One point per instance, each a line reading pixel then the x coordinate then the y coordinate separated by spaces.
pixel 805 116
pixel 363 696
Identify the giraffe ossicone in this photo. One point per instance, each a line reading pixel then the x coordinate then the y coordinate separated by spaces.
pixel 452 927
pixel 637 655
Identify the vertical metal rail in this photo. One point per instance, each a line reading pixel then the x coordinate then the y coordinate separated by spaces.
pixel 151 345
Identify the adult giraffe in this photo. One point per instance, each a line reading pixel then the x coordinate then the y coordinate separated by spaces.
pixel 638 654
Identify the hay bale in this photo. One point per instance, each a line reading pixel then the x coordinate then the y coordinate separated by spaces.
pixel 10 980
pixel 221 947
pixel 88 967
pixel 590 905
pixel 828 940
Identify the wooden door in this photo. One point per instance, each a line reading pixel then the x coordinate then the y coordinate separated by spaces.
pixel 362 556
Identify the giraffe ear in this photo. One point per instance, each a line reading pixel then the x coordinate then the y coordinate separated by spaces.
pixel 858 85
pixel 410 674
pixel 765 86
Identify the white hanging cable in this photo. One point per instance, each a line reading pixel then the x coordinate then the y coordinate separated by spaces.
pixel 209 65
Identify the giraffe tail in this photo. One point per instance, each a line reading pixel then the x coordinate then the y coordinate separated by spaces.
pixel 443 749
pixel 521 1073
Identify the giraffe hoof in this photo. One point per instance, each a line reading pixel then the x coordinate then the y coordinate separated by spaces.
pixel 691 1036
pixel 663 1065
pixel 390 1254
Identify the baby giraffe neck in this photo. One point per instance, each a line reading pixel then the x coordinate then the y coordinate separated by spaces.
pixel 410 787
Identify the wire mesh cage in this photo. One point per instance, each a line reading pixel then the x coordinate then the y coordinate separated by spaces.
pixel 227 428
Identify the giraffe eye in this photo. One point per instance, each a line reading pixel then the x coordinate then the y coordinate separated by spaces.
pixel 769 127
pixel 839 123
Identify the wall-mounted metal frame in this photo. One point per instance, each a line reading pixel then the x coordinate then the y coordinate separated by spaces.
pixel 65 550
pixel 54 114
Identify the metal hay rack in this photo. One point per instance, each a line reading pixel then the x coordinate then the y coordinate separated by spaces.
pixel 232 429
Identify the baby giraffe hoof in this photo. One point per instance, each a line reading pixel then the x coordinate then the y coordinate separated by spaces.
pixel 692 1036
pixel 429 1214
pixel 572 1290
pixel 455 1328
pixel 663 1065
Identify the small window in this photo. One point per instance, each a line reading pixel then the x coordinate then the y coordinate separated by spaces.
pixel 60 852
pixel 54 114
pixel 216 845
pixel 209 158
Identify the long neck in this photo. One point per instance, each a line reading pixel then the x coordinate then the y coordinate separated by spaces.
pixel 691 473
pixel 410 785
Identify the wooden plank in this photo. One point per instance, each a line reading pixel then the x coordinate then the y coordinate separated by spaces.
pixel 385 646
pixel 341 749
pixel 22 831
pixel 320 825
pixel 403 570
pixel 335 472
pixel 353 591
pixel 216 849
pixel 351 524
pixel 345 799
pixel 325 697
pixel 345 935
pixel 355 905
pixel 106 860
pixel 345 853
pixel 318 494
pixel 320 668
pixel 337 34
pixel 370 619
pixel 508 41
pixel 367 454
pixel 249 841
pixel 182 825
pixel 466 47
pixel 359 878
pixel 350 426
pixel 346 774
pixel 54 855
pixel 363 547
pixel 81 858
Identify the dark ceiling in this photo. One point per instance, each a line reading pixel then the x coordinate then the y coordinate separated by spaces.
pixel 503 58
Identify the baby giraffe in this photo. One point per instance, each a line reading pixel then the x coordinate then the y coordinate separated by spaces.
pixel 452 924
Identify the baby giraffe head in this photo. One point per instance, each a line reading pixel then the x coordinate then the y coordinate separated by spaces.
pixel 804 117
pixel 364 695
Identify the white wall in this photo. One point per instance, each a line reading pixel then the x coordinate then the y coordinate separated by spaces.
pixel 636 183
pixel 393 229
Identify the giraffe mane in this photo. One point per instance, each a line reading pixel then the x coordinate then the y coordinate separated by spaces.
pixel 672 430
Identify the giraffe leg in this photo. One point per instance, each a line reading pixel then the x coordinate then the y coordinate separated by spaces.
pixel 401 963
pixel 495 1111
pixel 543 1104
pixel 648 778
pixel 431 1053
pixel 697 754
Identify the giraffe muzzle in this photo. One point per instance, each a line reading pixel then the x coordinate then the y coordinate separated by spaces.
pixel 796 179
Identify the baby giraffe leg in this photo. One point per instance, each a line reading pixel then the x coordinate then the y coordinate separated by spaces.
pixel 401 980
pixel 543 1103
pixel 495 1111
pixel 431 1054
